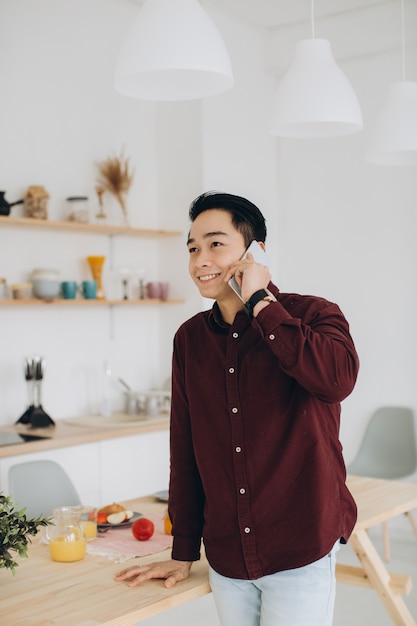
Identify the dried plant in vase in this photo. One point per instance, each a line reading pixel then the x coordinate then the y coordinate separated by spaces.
pixel 116 178
pixel 101 215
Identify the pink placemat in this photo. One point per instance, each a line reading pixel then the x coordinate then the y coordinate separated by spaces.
pixel 119 545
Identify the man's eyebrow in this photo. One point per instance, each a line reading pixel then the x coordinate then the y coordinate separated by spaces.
pixel 212 233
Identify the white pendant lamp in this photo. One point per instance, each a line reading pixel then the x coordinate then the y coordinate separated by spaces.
pixel 173 51
pixel 394 134
pixel 314 98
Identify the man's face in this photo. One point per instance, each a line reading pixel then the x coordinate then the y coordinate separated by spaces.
pixel 214 244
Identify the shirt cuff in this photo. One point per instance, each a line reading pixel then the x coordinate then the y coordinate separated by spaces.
pixel 270 317
pixel 186 548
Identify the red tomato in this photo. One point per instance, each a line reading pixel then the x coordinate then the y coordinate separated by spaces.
pixel 143 529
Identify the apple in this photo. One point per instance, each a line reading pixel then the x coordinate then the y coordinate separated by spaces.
pixel 143 529
pixel 120 517
pixel 116 518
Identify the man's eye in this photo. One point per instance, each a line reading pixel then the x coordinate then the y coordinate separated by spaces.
pixel 215 244
pixel 191 250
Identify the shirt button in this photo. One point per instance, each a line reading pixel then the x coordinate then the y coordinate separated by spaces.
pixel 234 410
pixel 235 335
pixel 238 449
pixel 242 491
pixel 247 530
pixel 272 337
pixel 231 370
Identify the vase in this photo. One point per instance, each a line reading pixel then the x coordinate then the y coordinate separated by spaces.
pixel 96 266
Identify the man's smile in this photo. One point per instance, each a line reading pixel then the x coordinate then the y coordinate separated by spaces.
pixel 207 277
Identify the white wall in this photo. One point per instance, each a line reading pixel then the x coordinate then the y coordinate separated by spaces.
pixel 60 115
pixel 348 228
pixel 337 227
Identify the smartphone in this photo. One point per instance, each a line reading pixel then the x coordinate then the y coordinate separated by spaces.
pixel 259 256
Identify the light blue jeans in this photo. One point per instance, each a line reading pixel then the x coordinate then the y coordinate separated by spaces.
pixel 300 597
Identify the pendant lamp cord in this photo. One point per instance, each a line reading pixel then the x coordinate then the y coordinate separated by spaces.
pixel 403 40
pixel 313 33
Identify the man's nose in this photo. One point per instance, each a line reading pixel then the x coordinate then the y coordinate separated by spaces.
pixel 204 259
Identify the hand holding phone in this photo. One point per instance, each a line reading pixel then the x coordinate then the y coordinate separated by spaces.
pixel 259 256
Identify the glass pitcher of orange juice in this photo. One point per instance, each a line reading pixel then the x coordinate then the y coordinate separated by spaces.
pixel 66 538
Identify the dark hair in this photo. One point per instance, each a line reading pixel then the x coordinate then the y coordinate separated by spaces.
pixel 246 217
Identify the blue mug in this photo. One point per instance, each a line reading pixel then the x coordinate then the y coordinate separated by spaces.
pixel 89 289
pixel 69 289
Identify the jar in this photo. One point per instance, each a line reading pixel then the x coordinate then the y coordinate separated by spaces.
pixel 78 209
pixel 66 538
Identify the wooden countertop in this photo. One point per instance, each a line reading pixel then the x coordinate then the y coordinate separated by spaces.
pixel 69 433
pixel 84 593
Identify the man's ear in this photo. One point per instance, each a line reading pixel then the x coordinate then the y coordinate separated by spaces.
pixel 262 244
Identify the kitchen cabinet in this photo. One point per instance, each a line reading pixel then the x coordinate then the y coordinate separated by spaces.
pixel 80 462
pixel 98 229
pixel 110 470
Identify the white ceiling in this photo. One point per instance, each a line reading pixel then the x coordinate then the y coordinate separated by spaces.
pixel 270 13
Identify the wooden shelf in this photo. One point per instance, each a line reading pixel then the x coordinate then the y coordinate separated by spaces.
pixel 90 303
pixel 79 227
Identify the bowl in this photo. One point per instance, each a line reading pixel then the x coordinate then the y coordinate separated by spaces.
pixel 45 288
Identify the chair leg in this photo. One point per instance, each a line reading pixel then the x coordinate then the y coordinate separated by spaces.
pixel 412 521
pixel 387 550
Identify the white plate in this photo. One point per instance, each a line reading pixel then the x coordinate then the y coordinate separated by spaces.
pixel 128 522
pixel 162 496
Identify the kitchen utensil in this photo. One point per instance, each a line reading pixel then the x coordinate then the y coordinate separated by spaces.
pixel 34 415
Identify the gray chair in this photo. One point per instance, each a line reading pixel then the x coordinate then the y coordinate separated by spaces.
pixel 388 450
pixel 41 486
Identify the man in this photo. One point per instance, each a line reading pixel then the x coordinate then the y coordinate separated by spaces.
pixel 256 463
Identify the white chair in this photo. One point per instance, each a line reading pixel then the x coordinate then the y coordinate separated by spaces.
pixel 41 486
pixel 388 450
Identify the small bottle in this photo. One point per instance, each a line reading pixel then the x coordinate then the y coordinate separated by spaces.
pixel 4 291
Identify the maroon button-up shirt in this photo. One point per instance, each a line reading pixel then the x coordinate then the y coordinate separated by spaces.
pixel 256 463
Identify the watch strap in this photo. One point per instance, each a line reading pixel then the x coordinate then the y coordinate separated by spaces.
pixel 256 297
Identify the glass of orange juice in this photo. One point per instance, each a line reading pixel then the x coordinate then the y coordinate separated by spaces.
pixel 89 522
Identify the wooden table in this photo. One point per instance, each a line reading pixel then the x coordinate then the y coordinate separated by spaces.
pixel 378 501
pixel 44 593
pixel 84 593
